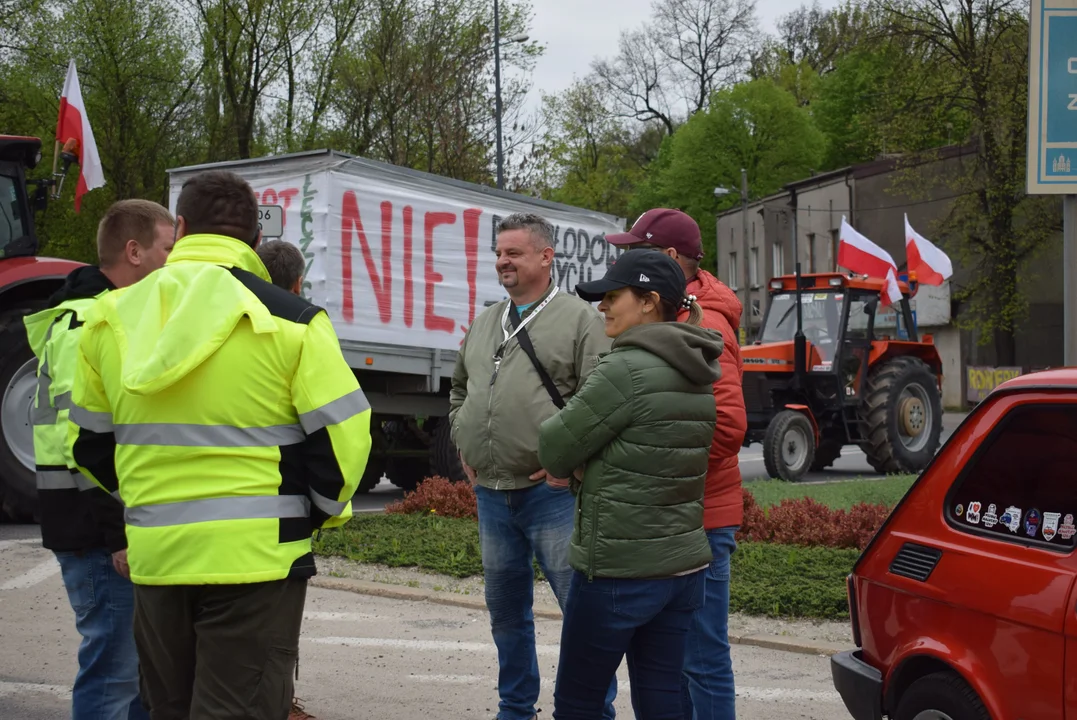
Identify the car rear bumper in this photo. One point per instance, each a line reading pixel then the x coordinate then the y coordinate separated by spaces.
pixel 859 684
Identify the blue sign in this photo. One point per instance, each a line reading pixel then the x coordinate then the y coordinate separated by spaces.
pixel 1052 111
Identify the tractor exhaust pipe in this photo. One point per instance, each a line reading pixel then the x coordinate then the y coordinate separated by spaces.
pixel 799 345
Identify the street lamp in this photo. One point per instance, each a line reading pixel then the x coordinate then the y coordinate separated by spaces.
pixel 497 88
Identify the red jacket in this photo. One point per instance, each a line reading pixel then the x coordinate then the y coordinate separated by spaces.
pixel 723 503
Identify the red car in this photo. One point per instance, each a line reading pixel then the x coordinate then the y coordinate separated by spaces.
pixel 963 606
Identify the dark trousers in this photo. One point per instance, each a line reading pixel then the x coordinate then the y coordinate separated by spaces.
pixel 219 652
pixel 604 620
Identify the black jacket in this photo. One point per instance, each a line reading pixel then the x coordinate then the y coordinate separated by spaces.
pixel 79 520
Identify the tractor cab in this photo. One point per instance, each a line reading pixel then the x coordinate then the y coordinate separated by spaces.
pixel 17 155
pixel 805 410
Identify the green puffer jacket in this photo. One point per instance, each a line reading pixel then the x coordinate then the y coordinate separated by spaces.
pixel 642 424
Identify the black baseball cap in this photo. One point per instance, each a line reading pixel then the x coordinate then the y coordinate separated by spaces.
pixel 642 268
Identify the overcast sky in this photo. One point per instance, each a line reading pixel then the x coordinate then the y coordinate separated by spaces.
pixel 574 32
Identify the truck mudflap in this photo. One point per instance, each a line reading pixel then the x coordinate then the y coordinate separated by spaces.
pixel 859 684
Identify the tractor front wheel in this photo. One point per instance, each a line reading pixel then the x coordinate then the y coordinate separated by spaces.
pixel 789 446
pixel 901 416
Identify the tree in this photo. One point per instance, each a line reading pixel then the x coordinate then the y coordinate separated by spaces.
pixel 977 53
pixel 671 68
pixel 757 126
pixel 590 158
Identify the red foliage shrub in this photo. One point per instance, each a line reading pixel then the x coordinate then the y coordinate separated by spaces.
pixel 805 521
pixel 438 496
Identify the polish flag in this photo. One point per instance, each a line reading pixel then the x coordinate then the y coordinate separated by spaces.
pixel 74 124
pixel 931 265
pixel 863 256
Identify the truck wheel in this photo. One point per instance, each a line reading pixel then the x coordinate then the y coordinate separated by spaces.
pixel 444 457
pixel 789 446
pixel 902 416
pixel 940 695
pixel 18 383
pixel 412 465
pixel 825 455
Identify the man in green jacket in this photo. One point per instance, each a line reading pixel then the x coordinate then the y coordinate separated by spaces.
pixel 498 402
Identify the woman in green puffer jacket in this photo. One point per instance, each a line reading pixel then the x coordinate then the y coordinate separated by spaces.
pixel 641 429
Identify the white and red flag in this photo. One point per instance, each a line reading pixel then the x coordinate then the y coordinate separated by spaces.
pixel 931 265
pixel 74 124
pixel 863 256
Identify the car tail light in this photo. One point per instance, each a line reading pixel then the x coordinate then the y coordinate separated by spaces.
pixel 854 613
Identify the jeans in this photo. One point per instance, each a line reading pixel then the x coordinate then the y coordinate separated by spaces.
pixel 515 527
pixel 107 683
pixel 608 618
pixel 707 688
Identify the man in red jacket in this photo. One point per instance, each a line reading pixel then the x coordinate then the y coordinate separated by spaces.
pixel 708 668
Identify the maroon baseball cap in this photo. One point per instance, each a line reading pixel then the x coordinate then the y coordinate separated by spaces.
pixel 664 228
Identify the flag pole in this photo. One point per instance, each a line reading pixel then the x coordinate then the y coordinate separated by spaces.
pixel 55 157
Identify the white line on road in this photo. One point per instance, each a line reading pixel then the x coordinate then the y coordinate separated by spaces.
pixel 33 576
pixel 746 692
pixel 432 645
pixel 8 544
pixel 13 688
pixel 759 457
pixel 342 616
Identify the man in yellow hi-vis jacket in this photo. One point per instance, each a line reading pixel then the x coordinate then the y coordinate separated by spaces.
pixel 219 409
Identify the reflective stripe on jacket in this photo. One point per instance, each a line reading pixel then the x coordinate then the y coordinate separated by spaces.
pixel 221 409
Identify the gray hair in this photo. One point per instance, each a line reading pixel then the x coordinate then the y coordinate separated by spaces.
pixel 540 228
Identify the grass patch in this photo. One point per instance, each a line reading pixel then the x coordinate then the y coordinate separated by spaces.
pixel 775 580
pixel 835 495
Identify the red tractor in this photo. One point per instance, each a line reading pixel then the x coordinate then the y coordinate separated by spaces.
pixel 832 368
pixel 26 282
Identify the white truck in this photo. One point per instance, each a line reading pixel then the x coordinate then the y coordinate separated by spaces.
pixel 403 261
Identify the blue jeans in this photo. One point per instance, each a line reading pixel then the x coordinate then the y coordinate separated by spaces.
pixel 707 683
pixel 107 683
pixel 608 618
pixel 515 527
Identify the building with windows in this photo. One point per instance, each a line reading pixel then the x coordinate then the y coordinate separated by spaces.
pixel 875 197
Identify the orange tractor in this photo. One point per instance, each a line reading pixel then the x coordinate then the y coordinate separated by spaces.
pixel 832 368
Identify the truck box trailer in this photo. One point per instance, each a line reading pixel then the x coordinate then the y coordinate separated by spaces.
pixel 403 262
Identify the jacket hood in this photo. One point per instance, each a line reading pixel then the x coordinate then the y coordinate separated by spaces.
pixel 715 296
pixel 691 350
pixel 169 323
pixel 82 283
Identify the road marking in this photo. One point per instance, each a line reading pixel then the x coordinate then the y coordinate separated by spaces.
pixel 33 576
pixel 8 544
pixel 623 685
pixel 453 679
pixel 341 616
pixel 431 645
pixel 14 688
pixel 847 452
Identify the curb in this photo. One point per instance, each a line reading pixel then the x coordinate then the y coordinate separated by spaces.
pixel 549 612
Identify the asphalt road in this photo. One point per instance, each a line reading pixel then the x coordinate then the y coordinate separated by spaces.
pixel 360 656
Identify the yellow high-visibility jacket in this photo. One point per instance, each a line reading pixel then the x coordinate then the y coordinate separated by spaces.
pixel 75 514
pixel 221 411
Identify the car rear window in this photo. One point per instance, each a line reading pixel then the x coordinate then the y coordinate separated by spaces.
pixel 1019 486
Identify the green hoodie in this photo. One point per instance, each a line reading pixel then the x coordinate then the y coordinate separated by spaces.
pixel 642 425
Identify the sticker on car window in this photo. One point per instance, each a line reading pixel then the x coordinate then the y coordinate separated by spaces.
pixel 1050 525
pixel 959 510
pixel 991 516
pixel 1067 529
pixel 973 514
pixel 1011 519
pixel 1032 523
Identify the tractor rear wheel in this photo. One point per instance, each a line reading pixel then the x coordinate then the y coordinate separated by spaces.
pixel 825 455
pixel 902 416
pixel 789 446
pixel 18 383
